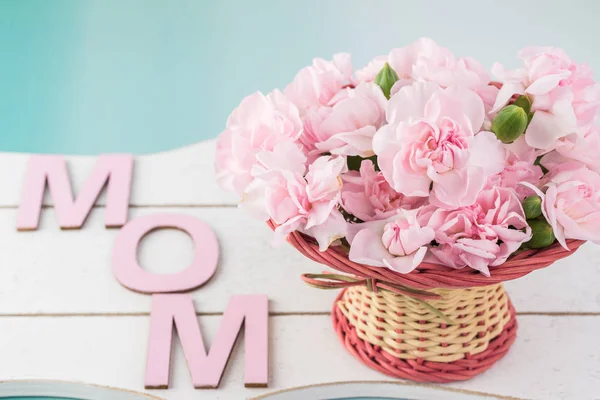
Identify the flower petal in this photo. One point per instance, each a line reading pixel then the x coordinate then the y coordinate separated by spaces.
pixel 544 129
pixel 409 102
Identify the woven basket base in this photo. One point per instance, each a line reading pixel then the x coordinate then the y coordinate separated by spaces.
pixel 419 370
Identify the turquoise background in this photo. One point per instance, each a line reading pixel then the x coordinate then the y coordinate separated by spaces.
pixel 91 76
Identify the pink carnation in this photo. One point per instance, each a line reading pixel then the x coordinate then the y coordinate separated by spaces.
pixel 584 147
pixel 519 167
pixel 425 60
pixel 295 201
pixel 346 128
pixel 258 124
pixel 314 86
pixel 564 94
pixel 481 235
pixel 398 243
pixel 571 202
pixel 368 196
pixel 368 73
pixel 432 146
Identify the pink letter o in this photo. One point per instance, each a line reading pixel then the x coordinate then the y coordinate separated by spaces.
pixel 131 275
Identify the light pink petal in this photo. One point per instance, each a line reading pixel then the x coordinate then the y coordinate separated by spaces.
pixel 286 156
pixel 480 248
pixel 357 204
pixel 487 153
pixel 410 184
pixel 521 150
pixel 332 229
pixel 504 95
pixel 550 212
pixel 358 142
pixel 400 83
pixel 318 213
pixel 401 60
pixel 563 109
pixel 254 201
pixel 354 229
pixel 367 248
pixel 409 103
pixel 415 237
pixel 343 62
pixel 544 129
pixel 535 189
pixel 384 139
pixel 553 159
pixel 545 84
pixel 587 228
pixel 472 105
pixel 457 188
pixel 368 73
pixel 407 263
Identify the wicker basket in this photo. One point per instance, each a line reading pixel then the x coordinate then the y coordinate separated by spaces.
pixel 400 337
pixel 435 324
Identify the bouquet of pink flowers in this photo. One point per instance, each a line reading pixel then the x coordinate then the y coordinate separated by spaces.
pixel 421 157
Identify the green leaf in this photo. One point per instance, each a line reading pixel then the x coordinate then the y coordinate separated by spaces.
pixel 538 162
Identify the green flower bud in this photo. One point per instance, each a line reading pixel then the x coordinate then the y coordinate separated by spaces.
pixel 532 206
pixel 523 102
pixel 385 79
pixel 542 235
pixel 510 123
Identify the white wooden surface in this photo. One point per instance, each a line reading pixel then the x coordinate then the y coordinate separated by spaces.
pixel 64 317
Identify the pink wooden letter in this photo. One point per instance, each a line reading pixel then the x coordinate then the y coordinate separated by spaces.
pixel 129 273
pixel 206 368
pixel 112 170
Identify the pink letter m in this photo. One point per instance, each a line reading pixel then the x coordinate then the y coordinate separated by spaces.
pixel 112 170
pixel 206 368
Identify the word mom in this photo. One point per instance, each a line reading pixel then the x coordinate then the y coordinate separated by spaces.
pixel 171 310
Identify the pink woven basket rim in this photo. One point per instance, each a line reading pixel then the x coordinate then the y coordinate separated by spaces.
pixel 429 276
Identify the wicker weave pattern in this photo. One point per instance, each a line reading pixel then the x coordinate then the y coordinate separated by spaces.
pixel 408 330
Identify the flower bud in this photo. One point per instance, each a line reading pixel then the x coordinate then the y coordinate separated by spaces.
pixel 523 102
pixel 541 234
pixel 510 123
pixel 532 206
pixel 385 79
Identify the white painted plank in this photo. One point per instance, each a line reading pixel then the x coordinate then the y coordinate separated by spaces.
pixel 553 358
pixel 178 177
pixel 569 285
pixel 54 271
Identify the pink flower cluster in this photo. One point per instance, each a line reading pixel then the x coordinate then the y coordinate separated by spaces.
pixel 428 173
